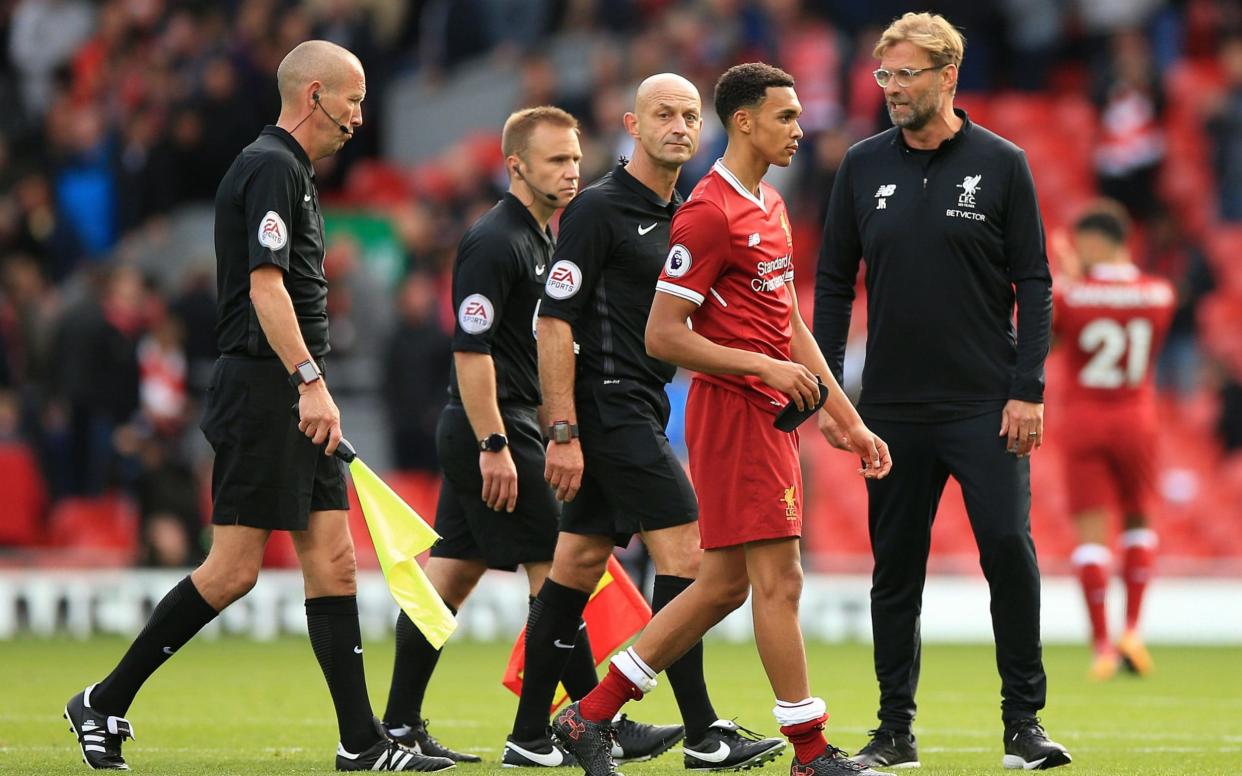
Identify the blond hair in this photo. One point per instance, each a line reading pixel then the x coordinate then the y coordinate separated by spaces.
pixel 515 137
pixel 930 32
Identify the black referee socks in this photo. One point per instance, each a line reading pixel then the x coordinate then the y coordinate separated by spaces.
pixel 178 616
pixel 552 637
pixel 579 675
pixel 686 675
pixel 332 622
pixel 412 666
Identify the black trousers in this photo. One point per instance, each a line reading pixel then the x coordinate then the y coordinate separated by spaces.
pixel 996 486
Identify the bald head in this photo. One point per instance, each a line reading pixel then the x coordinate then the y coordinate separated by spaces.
pixel 665 122
pixel 667 87
pixel 316 60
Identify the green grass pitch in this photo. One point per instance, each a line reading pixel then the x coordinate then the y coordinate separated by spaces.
pixel 237 707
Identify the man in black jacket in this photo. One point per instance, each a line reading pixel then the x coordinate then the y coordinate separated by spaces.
pixel 945 213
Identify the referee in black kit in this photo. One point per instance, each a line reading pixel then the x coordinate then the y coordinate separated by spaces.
pixel 946 215
pixel 495 509
pixel 608 456
pixel 271 471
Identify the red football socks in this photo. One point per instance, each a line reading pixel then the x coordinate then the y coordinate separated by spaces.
pixel 1136 568
pixel 603 703
pixel 1094 580
pixel 807 738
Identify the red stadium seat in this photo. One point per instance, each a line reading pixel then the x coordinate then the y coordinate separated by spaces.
pixel 432 181
pixel 1018 115
pixel 105 522
pixel 974 103
pixel 1224 247
pixel 373 182
pixel 25 497
pixel 484 149
pixel 279 552
pixel 1189 84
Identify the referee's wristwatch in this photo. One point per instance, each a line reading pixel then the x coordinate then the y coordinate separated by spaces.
pixel 304 373
pixel 562 431
pixel 493 443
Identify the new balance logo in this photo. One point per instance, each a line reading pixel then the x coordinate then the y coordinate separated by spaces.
pixel 753 240
pixel 882 194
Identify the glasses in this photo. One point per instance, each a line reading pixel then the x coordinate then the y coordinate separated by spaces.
pixel 905 76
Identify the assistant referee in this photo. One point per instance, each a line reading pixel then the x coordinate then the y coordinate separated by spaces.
pixel 946 215
pixel 271 471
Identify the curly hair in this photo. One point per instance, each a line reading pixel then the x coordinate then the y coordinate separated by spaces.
pixel 746 86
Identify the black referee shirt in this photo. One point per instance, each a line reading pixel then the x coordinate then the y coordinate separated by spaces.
pixel 611 247
pixel 947 235
pixel 498 276
pixel 267 212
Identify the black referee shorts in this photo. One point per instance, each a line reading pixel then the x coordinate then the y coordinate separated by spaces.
pixel 267 473
pixel 469 529
pixel 632 480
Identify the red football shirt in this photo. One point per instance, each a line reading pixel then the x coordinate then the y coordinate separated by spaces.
pixel 1112 323
pixel 732 255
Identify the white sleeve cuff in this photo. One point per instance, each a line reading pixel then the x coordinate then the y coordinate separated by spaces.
pixel 680 291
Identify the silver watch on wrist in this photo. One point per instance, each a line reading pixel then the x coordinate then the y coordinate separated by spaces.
pixel 304 373
pixel 562 431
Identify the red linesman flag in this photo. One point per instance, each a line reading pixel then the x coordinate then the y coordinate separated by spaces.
pixel 615 612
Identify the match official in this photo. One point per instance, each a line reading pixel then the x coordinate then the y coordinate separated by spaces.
pixel 272 472
pixel 945 213
pixel 608 456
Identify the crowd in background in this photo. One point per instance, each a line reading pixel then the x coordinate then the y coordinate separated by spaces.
pixel 121 113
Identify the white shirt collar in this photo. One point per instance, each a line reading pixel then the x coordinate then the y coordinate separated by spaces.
pixel 725 173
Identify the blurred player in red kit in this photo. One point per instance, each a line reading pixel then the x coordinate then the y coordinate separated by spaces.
pixel 1111 318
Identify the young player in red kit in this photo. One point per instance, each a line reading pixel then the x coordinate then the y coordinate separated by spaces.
pixel 729 274
pixel 1111 320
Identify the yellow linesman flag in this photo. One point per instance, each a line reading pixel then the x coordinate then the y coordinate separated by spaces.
pixel 399 536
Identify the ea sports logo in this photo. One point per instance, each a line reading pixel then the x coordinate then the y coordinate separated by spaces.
pixel 564 280
pixel 476 314
pixel 272 233
pixel 678 261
